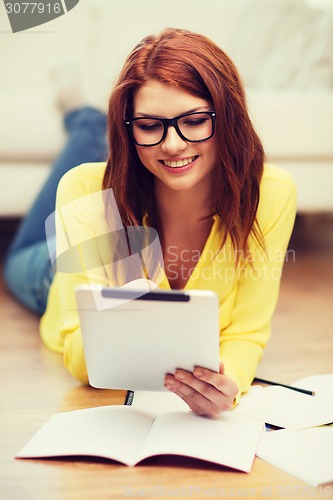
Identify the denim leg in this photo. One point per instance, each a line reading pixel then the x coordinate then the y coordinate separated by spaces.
pixel 29 274
pixel 28 270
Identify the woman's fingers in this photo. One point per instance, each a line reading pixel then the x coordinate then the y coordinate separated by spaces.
pixel 206 392
pixel 221 382
pixel 196 400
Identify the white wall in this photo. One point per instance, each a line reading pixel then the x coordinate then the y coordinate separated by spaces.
pixel 270 41
pixel 103 27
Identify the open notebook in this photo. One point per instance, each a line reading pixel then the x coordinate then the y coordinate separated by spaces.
pixel 129 435
pixel 306 453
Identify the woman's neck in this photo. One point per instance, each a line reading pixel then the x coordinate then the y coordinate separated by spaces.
pixel 185 206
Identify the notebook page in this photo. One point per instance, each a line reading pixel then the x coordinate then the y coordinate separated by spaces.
pixel 157 403
pixel 115 432
pixel 286 408
pixel 229 440
pixel 321 384
pixel 307 454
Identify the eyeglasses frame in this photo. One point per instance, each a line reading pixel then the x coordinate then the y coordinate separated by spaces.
pixel 170 122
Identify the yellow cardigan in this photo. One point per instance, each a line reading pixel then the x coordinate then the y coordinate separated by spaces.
pixel 247 294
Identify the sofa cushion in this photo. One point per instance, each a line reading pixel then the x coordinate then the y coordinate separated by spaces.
pixel 294 124
pixel 32 128
pixel 20 183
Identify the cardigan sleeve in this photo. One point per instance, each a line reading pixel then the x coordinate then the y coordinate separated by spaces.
pixel 254 298
pixel 79 221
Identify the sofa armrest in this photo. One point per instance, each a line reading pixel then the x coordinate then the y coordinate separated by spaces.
pixel 32 130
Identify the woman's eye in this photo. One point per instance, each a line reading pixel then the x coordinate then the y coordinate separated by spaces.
pixel 195 122
pixel 149 127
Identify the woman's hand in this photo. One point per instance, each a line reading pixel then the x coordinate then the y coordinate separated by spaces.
pixel 207 393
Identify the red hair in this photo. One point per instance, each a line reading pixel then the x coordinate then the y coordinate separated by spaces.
pixel 195 64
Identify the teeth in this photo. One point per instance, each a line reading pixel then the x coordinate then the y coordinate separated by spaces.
pixel 179 163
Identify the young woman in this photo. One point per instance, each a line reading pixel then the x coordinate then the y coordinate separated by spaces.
pixel 184 159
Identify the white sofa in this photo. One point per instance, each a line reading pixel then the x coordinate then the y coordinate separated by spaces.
pixel 283 49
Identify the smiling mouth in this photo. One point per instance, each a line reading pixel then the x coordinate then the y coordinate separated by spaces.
pixel 179 163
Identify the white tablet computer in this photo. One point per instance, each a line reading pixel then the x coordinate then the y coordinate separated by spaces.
pixel 132 337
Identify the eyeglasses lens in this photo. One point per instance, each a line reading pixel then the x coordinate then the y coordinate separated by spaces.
pixel 193 127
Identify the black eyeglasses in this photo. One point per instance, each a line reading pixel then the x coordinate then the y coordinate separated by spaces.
pixel 191 127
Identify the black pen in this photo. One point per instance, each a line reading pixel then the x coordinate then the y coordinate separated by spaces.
pixel 269 382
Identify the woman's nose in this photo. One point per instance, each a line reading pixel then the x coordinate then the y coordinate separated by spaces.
pixel 173 142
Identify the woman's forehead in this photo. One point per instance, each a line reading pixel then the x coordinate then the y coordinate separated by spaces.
pixel 160 99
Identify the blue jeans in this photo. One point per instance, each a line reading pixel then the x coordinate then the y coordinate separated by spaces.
pixel 28 270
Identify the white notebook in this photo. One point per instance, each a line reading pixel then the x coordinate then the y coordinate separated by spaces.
pixel 129 435
pixel 286 408
pixel 307 454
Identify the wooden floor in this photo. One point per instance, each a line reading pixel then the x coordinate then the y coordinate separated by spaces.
pixel 34 385
pixel 303 322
